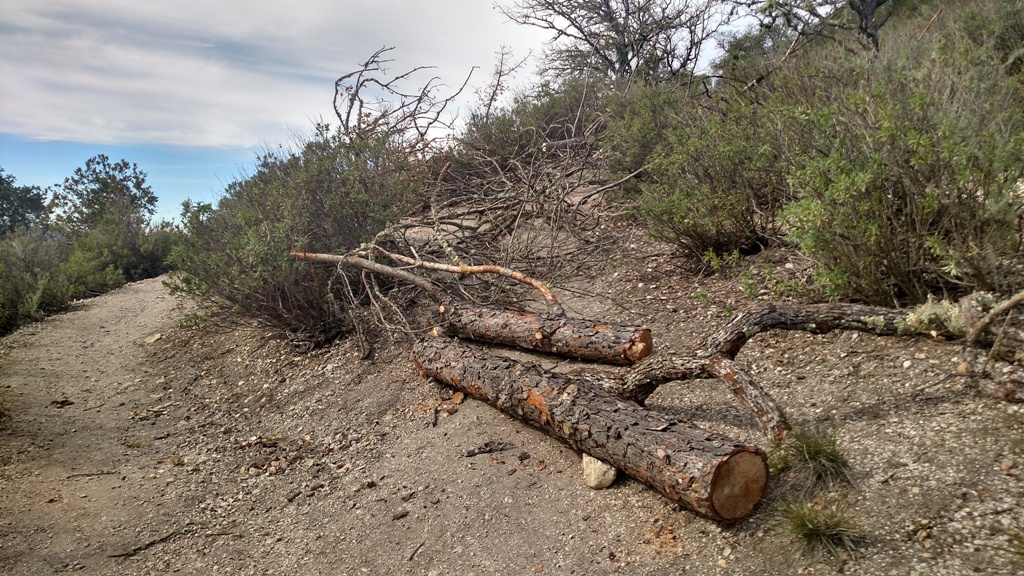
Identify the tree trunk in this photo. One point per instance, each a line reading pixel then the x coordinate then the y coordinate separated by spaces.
pixel 585 339
pixel 704 471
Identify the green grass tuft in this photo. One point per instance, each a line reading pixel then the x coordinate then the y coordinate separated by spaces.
pixel 829 529
pixel 811 457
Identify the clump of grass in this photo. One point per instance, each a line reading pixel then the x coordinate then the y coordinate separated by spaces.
pixel 828 529
pixel 811 457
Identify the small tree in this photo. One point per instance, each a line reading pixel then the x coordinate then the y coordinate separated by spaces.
pixel 105 208
pixel 20 206
pixel 652 39
pixel 824 17
pixel 102 191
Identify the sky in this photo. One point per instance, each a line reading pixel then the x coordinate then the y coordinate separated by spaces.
pixel 192 90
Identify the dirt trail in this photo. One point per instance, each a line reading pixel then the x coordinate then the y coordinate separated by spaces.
pixel 230 452
pixel 73 491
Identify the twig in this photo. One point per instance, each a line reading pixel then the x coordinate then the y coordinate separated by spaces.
pixel 151 543
pixel 90 474
pixel 925 31
pixel 415 550
pixel 583 199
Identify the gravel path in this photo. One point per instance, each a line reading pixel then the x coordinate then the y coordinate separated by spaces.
pixel 131 446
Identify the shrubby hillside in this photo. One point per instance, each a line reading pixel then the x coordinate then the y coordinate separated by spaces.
pixel 883 140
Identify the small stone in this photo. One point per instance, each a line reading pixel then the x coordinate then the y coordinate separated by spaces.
pixel 597 474
pixel 907 363
pixel 154 338
pixel 1007 464
pixel 963 369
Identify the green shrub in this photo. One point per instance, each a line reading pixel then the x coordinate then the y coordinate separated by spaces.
pixel 637 124
pixel 155 247
pixel 331 195
pixel 895 171
pixel 33 282
pixel 718 181
pixel 906 182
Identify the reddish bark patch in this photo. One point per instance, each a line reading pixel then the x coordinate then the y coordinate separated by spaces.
pixel 539 401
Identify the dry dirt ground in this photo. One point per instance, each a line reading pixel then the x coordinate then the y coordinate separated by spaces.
pixel 130 445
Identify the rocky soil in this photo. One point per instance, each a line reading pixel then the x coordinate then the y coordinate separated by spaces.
pixel 130 445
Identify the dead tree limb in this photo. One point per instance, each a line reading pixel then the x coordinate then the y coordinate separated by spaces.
pixel 465 269
pixel 819 319
pixel 359 260
pixel 607 343
pixel 377 268
pixel 647 375
pixel 977 329
pixel 717 359
pixel 704 471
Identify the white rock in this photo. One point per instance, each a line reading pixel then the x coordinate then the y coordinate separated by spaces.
pixel 596 473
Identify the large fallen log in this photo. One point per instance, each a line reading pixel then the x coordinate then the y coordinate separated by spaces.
pixel 704 471
pixel 584 339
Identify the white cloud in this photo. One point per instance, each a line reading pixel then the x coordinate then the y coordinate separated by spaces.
pixel 227 73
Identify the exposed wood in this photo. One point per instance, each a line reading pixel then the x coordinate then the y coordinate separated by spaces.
pixel 422 283
pixel 585 339
pixel 360 260
pixel 708 473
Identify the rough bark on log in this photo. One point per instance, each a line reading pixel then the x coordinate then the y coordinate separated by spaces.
pixel 704 471
pixel 585 339
pixel 817 319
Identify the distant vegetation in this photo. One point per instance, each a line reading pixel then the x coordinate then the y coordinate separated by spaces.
pixel 85 236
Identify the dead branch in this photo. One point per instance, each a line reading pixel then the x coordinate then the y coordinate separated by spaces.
pixel 418 281
pixel 464 270
pixel 974 335
pixel 359 261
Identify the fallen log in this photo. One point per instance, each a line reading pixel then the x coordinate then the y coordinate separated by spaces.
pixel 706 472
pixel 584 339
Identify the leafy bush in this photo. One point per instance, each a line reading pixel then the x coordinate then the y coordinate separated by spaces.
pixel 906 184
pixel 637 124
pixel 105 208
pixel 717 182
pixel 331 195
pixel 33 282
pixel 895 171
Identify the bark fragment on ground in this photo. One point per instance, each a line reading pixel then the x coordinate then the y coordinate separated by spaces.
pixel 707 472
